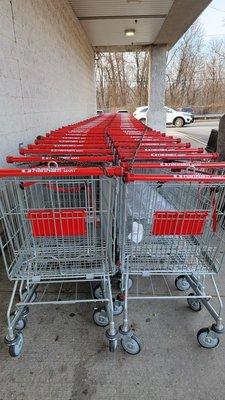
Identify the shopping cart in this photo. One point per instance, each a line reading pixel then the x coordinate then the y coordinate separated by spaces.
pixel 82 144
pixel 59 229
pixel 136 142
pixel 172 226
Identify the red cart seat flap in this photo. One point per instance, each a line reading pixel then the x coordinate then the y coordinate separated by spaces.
pixel 65 222
pixel 179 222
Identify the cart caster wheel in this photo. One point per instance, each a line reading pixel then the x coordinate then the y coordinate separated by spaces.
pixel 98 292
pixel 130 284
pixel 131 344
pixel 207 338
pixel 21 324
pixel 33 297
pixel 112 345
pixel 117 308
pixel 100 317
pixel 194 304
pixel 181 283
pixel 15 348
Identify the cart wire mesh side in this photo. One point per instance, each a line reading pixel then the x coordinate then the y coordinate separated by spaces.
pixel 172 225
pixel 59 227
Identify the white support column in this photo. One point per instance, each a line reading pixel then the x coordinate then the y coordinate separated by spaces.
pixel 156 116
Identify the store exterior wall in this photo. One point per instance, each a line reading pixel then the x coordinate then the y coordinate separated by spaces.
pixel 46 70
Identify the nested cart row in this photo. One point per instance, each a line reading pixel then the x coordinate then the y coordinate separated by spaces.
pixel 127 201
pixel 60 227
pixel 77 144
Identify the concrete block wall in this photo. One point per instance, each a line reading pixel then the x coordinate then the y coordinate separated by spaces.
pixel 46 70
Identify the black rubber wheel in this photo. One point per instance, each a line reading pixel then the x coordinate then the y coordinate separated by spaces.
pixel 207 339
pixel 131 344
pixel 15 349
pixel 194 304
pixel 98 292
pixel 100 317
pixel 21 324
pixel 117 308
pixel 143 121
pixel 179 122
pixel 181 283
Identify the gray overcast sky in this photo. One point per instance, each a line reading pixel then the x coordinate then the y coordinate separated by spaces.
pixel 213 20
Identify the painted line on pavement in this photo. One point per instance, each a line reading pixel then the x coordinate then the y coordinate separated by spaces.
pixel 193 138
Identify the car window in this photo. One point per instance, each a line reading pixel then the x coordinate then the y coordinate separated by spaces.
pixel 188 110
pixel 144 109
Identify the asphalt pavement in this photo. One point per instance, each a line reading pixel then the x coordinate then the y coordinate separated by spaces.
pixel 196 133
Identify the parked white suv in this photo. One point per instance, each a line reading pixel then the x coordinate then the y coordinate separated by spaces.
pixel 176 118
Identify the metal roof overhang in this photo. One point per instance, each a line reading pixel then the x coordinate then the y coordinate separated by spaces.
pixel 155 22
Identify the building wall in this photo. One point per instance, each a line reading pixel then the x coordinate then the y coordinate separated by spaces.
pixel 46 70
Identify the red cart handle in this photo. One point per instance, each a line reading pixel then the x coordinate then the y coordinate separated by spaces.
pixel 174 178
pixel 174 165
pixel 65 151
pixel 58 172
pixel 85 146
pixel 59 160
pixel 72 141
pixel 174 156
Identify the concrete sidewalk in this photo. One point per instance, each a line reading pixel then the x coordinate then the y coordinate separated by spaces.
pixel 66 357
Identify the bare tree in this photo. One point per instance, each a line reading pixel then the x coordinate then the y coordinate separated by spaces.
pixel 123 77
pixel 195 76
pixel 213 94
pixel 184 66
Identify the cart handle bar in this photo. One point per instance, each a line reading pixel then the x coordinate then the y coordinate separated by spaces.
pixel 174 178
pixel 72 171
pixel 174 165
pixel 173 156
pixel 59 159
